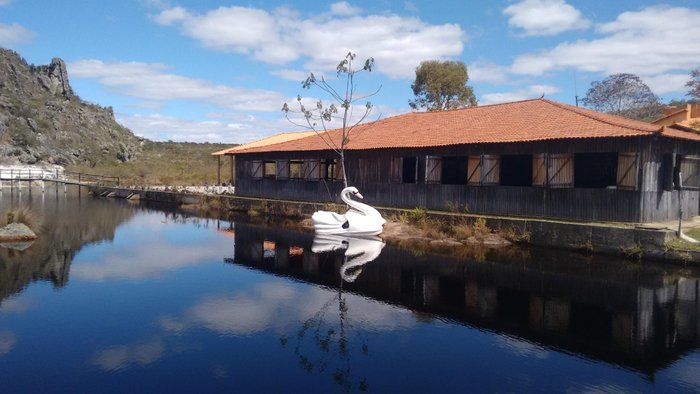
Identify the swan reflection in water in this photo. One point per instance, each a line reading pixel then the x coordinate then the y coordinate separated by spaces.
pixel 358 252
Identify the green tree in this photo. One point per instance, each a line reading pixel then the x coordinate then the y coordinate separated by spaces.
pixel 442 85
pixel 624 95
pixel 694 84
pixel 343 101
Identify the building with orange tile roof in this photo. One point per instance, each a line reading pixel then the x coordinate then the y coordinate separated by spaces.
pixel 536 158
pixel 686 116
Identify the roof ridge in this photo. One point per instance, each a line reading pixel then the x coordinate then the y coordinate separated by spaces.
pixel 577 111
pixel 473 107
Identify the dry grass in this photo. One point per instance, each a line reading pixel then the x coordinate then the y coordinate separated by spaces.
pixel 459 228
pixel 167 163
pixel 25 215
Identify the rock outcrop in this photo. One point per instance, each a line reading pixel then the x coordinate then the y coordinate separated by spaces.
pixel 15 232
pixel 43 121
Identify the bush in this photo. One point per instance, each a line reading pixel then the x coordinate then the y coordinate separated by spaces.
pixel 24 215
pixel 416 215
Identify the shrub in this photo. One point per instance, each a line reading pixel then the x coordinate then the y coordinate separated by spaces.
pixel 416 215
pixel 25 215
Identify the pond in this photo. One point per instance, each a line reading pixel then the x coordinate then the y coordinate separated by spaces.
pixel 123 297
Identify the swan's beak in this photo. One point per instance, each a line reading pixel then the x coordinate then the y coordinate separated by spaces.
pixel 359 195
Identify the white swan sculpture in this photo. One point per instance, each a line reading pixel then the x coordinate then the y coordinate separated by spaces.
pixel 360 219
pixel 358 252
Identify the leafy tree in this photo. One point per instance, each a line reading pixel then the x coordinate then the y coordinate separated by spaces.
pixel 625 95
pixel 442 85
pixel 694 84
pixel 320 117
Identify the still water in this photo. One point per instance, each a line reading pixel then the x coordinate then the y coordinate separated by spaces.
pixel 119 297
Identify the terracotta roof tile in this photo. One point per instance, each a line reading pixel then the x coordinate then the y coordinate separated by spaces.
pixel 274 139
pixel 521 121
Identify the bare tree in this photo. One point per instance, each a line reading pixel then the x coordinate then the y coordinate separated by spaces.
pixel 625 95
pixel 320 117
pixel 694 84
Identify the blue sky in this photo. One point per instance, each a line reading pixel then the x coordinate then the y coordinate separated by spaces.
pixel 220 71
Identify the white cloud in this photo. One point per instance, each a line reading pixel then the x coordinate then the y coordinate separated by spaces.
pixel 651 41
pixel 15 305
pixel 13 35
pixel 7 341
pixel 118 358
pixel 278 305
pixel 544 17
pixel 530 92
pixel 160 127
pixel 398 44
pixel 667 83
pixel 343 8
pixel 291 75
pixel 152 82
pixel 485 72
pixel 151 256
pixel 171 15
pixel 154 105
pixel 5 2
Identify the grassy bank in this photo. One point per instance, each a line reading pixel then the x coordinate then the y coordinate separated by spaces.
pixel 166 163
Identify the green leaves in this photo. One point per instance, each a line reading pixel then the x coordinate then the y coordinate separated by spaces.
pixel 441 85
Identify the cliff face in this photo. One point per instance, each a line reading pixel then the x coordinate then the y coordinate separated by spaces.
pixel 43 121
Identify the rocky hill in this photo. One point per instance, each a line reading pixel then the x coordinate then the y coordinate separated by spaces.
pixel 43 121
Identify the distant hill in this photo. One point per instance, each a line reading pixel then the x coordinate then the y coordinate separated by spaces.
pixel 43 121
pixel 167 163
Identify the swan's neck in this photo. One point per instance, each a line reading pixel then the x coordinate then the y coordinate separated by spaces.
pixel 354 204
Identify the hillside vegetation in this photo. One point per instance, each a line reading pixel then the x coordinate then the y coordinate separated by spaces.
pixel 42 121
pixel 166 163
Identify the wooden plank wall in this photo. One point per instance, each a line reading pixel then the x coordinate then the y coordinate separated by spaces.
pixel 649 203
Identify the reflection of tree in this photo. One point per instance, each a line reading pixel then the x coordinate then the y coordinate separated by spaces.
pixel 325 345
pixel 67 225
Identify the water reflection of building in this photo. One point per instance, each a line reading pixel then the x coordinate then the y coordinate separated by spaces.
pixel 640 316
pixel 67 224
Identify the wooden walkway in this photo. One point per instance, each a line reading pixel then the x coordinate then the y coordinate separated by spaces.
pixel 15 177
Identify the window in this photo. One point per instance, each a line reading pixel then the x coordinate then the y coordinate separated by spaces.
pixel 329 170
pixel 516 170
pixel 627 170
pixel 539 169
pixel 409 169
pixel 454 170
pixel 490 169
pixel 560 170
pixel 282 169
pixel 595 170
pixel 433 169
pixel 269 251
pixel 483 170
pixel 690 176
pixel 269 169
pixel 312 172
pixel 296 169
pixel 474 170
pixel 256 169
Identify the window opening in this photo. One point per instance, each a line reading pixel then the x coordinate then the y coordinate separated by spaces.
pixel 516 170
pixel 409 166
pixel 454 170
pixel 595 170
